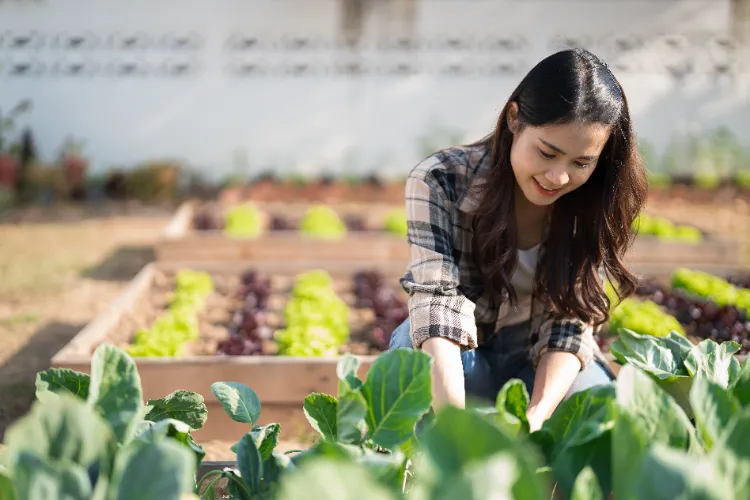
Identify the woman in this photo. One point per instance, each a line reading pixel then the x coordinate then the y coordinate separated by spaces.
pixel 511 239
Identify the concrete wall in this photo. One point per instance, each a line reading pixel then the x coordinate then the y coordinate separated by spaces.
pixel 220 85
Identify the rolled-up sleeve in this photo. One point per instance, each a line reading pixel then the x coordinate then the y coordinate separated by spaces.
pixel 567 335
pixel 436 306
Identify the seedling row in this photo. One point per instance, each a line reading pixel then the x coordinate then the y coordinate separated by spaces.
pixel 250 313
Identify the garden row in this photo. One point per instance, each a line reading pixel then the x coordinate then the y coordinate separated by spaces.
pixel 283 325
pixel 375 233
pixel 99 435
pixel 188 312
pixel 246 220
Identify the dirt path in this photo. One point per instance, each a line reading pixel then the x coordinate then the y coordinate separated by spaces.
pixel 54 278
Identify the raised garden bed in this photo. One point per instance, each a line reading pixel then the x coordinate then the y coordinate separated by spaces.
pixel 281 381
pixel 367 240
pixel 698 305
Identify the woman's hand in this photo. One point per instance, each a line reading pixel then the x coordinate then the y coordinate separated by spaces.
pixel 535 418
pixel 447 372
pixel 555 374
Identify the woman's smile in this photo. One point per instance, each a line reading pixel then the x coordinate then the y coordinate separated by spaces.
pixel 544 189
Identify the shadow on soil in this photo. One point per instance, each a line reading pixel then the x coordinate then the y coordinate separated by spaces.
pixel 18 374
pixel 122 264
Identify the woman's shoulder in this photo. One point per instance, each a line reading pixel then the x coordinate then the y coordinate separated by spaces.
pixel 452 169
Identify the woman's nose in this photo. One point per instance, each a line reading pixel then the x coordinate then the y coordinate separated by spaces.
pixel 558 177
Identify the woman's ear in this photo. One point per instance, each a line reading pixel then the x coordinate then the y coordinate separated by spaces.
pixel 512 117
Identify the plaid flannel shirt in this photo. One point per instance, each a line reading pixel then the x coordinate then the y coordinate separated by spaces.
pixel 447 297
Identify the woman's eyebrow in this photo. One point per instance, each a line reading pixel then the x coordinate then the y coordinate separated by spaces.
pixel 555 148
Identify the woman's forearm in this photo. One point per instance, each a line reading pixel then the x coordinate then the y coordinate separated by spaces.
pixel 447 372
pixel 554 376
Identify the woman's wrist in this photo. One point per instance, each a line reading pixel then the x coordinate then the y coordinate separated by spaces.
pixel 447 372
pixel 554 376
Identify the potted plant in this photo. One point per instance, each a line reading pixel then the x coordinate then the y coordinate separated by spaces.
pixel 9 149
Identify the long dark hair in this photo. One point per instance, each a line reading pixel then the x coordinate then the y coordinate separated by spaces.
pixel 588 227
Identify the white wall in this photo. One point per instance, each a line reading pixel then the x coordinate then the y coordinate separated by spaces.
pixel 211 117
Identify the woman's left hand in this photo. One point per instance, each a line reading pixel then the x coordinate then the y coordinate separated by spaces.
pixel 535 418
pixel 554 376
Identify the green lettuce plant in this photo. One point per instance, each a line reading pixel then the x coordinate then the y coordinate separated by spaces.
pixel 179 323
pixel 322 222
pixel 317 320
pixel 243 221
pixel 93 437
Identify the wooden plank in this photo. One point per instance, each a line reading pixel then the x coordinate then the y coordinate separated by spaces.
pixel 714 249
pixel 337 269
pixel 179 225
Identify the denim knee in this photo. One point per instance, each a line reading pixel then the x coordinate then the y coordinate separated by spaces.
pixel 400 337
pixel 591 376
pixel 479 381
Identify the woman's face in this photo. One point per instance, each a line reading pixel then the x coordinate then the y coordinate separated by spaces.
pixel 553 160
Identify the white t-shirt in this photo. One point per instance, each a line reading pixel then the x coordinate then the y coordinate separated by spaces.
pixel 523 283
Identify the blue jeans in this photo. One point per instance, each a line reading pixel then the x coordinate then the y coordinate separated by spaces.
pixel 503 357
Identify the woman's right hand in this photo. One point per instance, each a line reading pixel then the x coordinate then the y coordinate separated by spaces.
pixel 447 372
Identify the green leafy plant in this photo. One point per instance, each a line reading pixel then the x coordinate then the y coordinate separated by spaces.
pixel 673 362
pixel 322 222
pixel 665 230
pixel 742 178
pixel 94 437
pixel 659 180
pixel 395 223
pixel 179 324
pixel 631 439
pixel 317 320
pixel 643 316
pixel 707 180
pixel 711 287
pixel 243 221
pixel 368 427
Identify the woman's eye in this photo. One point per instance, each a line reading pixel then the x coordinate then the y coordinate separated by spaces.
pixel 546 155
pixel 583 165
